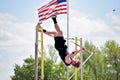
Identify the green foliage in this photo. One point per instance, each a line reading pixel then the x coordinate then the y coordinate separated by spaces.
pixel 103 65
pixel 52 53
pixel 26 72
pixel 52 70
pixel 112 55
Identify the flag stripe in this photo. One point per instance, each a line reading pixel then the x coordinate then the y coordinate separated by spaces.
pixel 59 7
pixel 45 18
pixel 49 4
pixel 50 9
pixel 58 11
pixel 51 14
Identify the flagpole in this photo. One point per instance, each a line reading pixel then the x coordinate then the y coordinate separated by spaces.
pixel 68 34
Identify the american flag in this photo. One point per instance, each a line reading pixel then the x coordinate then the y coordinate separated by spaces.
pixel 52 8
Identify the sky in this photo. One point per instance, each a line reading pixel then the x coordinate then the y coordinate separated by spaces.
pixel 92 20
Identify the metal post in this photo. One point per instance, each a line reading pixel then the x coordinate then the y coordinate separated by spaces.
pixel 68 33
pixel 36 56
pixel 81 59
pixel 42 56
pixel 76 40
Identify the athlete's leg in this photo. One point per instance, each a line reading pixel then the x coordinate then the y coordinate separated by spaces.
pixel 51 33
pixel 59 31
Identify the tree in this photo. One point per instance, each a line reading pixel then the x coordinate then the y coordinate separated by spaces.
pixel 112 55
pixel 103 65
pixel 53 54
pixel 26 72
pixel 94 69
pixel 52 70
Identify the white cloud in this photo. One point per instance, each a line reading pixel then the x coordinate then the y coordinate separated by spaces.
pixel 6 17
pixel 12 39
pixel 15 32
pixel 95 30
pixel 114 18
pixel 18 38
pixel 84 25
pixel 16 43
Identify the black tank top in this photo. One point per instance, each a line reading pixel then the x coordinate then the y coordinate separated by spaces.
pixel 61 47
pixel 60 43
